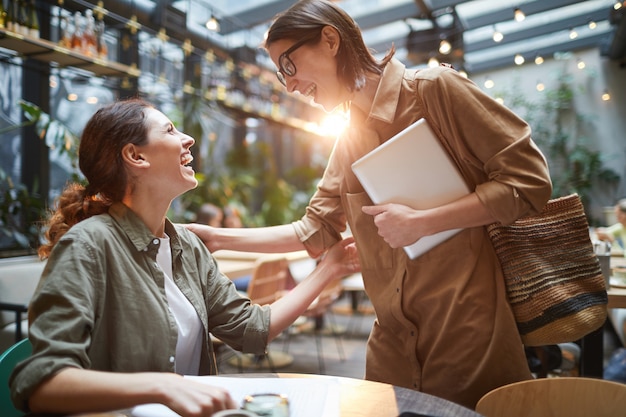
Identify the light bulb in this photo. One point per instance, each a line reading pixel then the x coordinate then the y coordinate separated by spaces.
pixel 519 59
pixel 445 47
pixel 519 15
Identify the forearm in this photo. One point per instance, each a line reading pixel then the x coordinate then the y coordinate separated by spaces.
pixel 463 213
pixel 288 308
pixel 74 390
pixel 273 239
pixel 341 260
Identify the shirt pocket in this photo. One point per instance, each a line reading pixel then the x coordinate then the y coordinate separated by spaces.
pixel 374 252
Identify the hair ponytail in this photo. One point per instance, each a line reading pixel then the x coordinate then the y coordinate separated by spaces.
pixel 72 206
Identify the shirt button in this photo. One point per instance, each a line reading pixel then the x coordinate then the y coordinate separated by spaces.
pixel 156 265
pixel 398 290
pixel 412 333
pixel 172 359
pixel 155 241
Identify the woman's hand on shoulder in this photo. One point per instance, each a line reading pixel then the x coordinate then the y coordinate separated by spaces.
pixel 206 233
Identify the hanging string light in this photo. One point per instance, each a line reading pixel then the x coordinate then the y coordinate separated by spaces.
pixel 519 59
pixel 538 60
pixel 497 35
pixel 213 24
pixel 445 47
pixel 519 15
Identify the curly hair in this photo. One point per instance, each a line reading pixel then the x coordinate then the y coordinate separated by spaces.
pixel 100 160
pixel 307 18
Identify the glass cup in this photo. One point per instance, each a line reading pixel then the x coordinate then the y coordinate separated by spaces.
pixel 267 405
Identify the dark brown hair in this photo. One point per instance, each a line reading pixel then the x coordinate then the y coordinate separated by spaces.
pixel 100 160
pixel 307 18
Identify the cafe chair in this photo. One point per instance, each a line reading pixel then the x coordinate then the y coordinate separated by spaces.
pixel 270 281
pixel 16 353
pixel 556 397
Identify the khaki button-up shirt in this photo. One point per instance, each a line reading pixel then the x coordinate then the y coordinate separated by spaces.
pixel 444 325
pixel 101 303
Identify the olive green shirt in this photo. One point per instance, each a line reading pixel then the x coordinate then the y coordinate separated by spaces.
pixel 101 303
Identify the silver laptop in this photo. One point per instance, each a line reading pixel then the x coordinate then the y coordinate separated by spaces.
pixel 413 169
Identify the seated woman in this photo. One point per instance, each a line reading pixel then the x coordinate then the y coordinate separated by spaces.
pixel 127 299
pixel 616 233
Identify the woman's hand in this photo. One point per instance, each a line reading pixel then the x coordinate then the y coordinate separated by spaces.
pixel 193 399
pixel 206 233
pixel 397 223
pixel 343 257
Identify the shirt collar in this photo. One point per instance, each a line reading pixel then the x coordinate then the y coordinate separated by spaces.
pixel 138 232
pixel 387 95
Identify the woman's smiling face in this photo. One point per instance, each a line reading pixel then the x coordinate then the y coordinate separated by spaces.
pixel 168 152
pixel 315 69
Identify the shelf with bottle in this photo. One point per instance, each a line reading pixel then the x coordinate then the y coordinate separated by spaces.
pixel 46 51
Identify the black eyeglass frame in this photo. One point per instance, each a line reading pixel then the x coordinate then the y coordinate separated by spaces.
pixel 285 63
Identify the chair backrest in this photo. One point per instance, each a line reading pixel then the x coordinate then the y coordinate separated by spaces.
pixel 269 280
pixel 16 353
pixel 556 397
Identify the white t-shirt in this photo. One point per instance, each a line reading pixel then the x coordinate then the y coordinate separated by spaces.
pixel 189 344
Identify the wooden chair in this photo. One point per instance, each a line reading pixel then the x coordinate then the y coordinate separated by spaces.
pixel 16 353
pixel 270 281
pixel 556 397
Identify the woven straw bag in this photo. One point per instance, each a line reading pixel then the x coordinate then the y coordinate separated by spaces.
pixel 553 277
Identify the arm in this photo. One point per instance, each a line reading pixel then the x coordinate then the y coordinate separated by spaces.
pixel 74 390
pixel 400 225
pixel 273 239
pixel 340 261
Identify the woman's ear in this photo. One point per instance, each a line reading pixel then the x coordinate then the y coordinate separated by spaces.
pixel 132 156
pixel 330 36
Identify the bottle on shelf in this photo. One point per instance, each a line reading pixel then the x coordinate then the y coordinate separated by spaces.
pixel 77 41
pixel 101 44
pixel 65 32
pixel 3 15
pixel 22 17
pixel 11 19
pixel 90 47
pixel 33 21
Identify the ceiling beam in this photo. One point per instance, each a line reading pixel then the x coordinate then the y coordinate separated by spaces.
pixel 527 34
pixel 253 16
pixel 388 15
pixel 503 15
pixel 506 60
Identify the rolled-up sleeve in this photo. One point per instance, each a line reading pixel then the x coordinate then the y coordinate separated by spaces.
pixel 498 153
pixel 325 219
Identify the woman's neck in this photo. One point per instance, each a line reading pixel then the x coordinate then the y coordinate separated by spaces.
pixel 150 212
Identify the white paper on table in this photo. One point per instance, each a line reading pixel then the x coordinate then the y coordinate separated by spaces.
pixel 308 397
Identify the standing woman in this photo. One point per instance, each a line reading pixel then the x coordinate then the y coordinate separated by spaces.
pixel 127 299
pixel 444 325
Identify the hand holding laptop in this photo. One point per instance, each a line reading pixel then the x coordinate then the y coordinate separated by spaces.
pixel 412 169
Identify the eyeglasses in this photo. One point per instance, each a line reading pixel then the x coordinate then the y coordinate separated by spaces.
pixel 286 65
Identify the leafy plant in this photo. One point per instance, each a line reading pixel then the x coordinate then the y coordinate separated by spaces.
pixel 561 132
pixel 21 209
pixel 20 213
